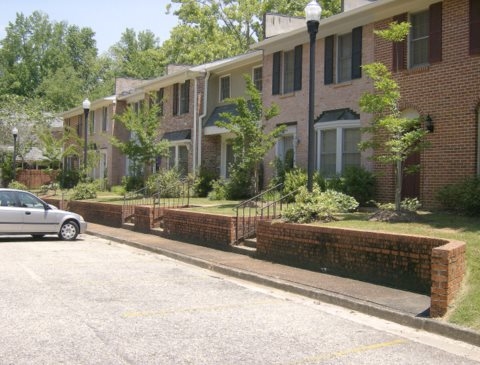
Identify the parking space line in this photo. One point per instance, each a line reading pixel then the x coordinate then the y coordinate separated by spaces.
pixel 34 276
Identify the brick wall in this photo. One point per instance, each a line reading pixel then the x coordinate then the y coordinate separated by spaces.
pixel 426 265
pixel 208 229
pixel 449 92
pixel 448 270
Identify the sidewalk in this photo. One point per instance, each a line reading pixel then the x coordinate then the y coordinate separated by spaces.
pixel 410 309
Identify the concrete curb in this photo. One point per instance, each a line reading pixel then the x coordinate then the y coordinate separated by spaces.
pixel 426 324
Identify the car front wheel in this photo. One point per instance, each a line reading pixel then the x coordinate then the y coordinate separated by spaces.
pixel 69 231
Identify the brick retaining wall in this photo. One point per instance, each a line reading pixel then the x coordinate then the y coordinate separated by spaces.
pixel 210 229
pixel 426 265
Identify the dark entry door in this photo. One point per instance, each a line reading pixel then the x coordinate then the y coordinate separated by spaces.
pixel 411 181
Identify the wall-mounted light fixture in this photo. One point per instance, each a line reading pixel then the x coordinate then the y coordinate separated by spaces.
pixel 429 123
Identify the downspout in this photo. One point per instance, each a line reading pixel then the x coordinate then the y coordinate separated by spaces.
pixel 194 137
pixel 200 119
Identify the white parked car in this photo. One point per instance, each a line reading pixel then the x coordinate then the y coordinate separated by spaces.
pixel 22 212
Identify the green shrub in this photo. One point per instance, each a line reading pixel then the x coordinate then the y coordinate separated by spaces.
pixel 318 205
pixel 203 182
pixel 294 179
pixel 463 197
pixel 118 189
pixel 52 186
pixel 17 185
pixel 68 178
pixel 166 182
pixel 101 184
pixel 359 183
pixel 219 190
pixel 84 191
pixel 132 183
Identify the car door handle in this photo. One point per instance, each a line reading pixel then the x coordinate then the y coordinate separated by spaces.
pixel 28 213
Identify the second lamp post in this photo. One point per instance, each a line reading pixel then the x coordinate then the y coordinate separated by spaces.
pixel 313 12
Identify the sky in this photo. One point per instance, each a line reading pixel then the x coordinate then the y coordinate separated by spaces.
pixel 107 18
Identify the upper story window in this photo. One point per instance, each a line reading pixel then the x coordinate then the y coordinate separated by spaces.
pixel 104 118
pixel 181 98
pixel 91 122
pixel 346 65
pixel 79 125
pixel 287 71
pixel 160 96
pixel 224 87
pixel 258 78
pixel 418 41
pixel 474 27
pixel 424 44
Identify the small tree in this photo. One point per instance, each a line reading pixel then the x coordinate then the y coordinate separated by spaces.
pixel 393 138
pixel 145 143
pixel 251 143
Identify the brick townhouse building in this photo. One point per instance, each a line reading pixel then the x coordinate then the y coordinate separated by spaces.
pixel 438 70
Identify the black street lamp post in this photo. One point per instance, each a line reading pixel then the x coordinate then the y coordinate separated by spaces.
pixel 86 110
pixel 313 12
pixel 14 162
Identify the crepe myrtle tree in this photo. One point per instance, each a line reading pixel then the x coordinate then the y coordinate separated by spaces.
pixel 392 137
pixel 145 144
pixel 250 143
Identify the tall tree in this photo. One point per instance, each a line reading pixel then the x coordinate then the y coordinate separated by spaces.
pixel 37 54
pixel 215 29
pixel 137 56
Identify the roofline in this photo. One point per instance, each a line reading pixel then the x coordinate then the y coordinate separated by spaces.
pixel 94 105
pixel 344 22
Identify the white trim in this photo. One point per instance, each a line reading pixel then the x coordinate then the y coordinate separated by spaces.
pixel 213 130
pixel 223 153
pixel 220 96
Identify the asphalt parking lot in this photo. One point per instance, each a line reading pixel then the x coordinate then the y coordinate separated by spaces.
pixel 94 301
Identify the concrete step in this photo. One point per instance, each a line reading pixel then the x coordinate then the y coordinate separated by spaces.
pixel 244 250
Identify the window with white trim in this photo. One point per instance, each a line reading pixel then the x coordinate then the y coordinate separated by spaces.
pixel 104 119
pixel 178 158
pixel 337 144
pixel 286 147
pixel 224 88
pixel 344 58
pixel 257 78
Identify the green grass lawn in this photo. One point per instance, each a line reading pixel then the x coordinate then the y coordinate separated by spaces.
pixel 465 311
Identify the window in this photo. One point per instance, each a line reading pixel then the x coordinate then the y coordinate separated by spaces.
pixel 181 98
pixel 287 71
pixel 286 147
pixel 160 97
pixel 337 146
pixel 230 158
pixel 224 87
pixel 344 57
pixel 104 119
pixel 178 158
pixel 419 33
pixel 227 157
pixel 347 63
pixel 91 122
pixel 258 78
pixel 424 44
pixel 474 27
pixel 79 125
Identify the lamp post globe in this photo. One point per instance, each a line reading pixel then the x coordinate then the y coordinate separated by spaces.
pixel 313 12
pixel 86 109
